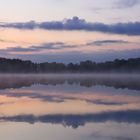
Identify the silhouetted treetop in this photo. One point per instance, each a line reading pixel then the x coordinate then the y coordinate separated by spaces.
pixel 20 66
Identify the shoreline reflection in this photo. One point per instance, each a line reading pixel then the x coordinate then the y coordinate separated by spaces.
pixel 117 81
pixel 74 121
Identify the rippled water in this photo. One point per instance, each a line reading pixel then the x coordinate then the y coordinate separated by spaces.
pixel 69 107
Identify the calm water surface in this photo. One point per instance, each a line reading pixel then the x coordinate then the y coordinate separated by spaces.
pixel 70 107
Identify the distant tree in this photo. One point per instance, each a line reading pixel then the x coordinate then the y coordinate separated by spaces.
pixel 20 66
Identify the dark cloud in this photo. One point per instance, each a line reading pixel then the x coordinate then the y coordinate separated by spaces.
pixel 20 49
pixel 130 28
pixel 36 48
pixel 126 3
pixel 59 46
pixel 70 56
pixel 105 42
pixel 24 25
pixel 101 102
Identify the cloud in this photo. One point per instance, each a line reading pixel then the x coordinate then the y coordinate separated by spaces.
pixel 24 25
pixel 13 42
pixel 37 48
pixel 105 42
pixel 60 46
pixel 38 53
pixel 126 3
pixel 130 28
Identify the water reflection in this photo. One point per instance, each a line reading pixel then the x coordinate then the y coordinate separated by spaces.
pixel 75 121
pixel 89 104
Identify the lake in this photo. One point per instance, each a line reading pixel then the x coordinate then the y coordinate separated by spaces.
pixel 70 107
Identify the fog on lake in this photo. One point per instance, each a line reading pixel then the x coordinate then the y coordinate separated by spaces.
pixel 70 106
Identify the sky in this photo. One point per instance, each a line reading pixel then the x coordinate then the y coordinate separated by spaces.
pixel 69 30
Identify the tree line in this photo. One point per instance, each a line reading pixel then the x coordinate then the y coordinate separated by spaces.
pixel 20 66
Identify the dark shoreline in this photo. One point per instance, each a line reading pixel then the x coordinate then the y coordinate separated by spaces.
pixel 116 66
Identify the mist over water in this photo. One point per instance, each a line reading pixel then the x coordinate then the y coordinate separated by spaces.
pixel 70 106
pixel 122 81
